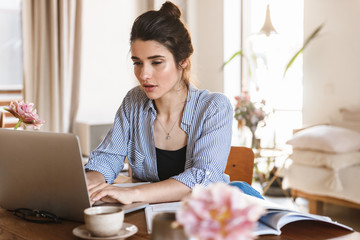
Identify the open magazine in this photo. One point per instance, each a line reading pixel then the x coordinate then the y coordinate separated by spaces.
pixel 269 224
pixel 275 219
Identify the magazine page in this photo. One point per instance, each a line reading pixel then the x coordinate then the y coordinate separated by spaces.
pixel 277 216
pixel 263 229
pixel 297 216
pixel 275 220
pixel 266 204
pixel 269 224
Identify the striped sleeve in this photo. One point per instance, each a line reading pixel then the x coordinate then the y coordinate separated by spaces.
pixel 212 146
pixel 108 158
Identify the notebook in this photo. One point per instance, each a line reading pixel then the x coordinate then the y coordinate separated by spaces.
pixel 44 171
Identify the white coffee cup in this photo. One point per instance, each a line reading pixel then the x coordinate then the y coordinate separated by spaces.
pixel 104 221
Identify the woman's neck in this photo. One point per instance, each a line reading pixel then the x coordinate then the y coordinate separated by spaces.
pixel 171 105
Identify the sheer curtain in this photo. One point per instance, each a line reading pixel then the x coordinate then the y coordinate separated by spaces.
pixel 52 55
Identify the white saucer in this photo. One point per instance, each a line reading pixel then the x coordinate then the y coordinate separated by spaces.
pixel 127 230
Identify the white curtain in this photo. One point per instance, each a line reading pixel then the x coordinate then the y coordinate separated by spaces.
pixel 51 53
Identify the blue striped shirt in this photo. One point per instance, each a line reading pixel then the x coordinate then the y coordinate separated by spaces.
pixel 207 121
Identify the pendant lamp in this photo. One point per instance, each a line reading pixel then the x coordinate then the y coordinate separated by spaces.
pixel 267 28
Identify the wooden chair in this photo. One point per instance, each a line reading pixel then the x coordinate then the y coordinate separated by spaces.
pixel 240 165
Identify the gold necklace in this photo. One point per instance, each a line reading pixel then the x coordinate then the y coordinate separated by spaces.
pixel 168 137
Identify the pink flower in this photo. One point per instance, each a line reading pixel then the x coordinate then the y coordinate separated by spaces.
pixel 25 113
pixel 249 113
pixel 219 212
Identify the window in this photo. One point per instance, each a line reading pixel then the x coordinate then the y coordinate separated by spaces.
pixel 10 45
pixel 282 94
pixel 232 44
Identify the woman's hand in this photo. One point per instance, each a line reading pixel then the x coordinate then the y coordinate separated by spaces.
pixel 93 177
pixel 165 191
pixel 111 194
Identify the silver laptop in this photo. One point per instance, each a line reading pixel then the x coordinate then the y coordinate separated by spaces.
pixel 44 171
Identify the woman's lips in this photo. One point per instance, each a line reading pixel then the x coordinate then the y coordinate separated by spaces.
pixel 149 87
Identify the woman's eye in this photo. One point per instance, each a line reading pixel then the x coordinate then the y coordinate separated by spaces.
pixel 136 63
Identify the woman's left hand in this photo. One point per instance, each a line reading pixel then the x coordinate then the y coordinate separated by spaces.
pixel 109 193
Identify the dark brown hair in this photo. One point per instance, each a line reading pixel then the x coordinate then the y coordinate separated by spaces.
pixel 166 27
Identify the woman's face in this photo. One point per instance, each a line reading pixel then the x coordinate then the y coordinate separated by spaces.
pixel 155 68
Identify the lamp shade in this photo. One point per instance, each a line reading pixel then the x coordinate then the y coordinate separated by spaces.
pixel 267 28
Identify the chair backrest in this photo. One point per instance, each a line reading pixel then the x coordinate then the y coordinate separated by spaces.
pixel 240 164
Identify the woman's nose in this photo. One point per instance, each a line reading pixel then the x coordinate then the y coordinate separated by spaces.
pixel 146 72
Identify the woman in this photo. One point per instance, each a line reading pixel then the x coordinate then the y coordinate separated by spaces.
pixel 174 135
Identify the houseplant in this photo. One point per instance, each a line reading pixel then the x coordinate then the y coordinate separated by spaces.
pixel 252 58
pixel 256 62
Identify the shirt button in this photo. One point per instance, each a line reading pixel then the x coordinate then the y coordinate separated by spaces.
pixel 207 173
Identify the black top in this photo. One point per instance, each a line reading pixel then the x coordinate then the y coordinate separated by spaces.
pixel 170 163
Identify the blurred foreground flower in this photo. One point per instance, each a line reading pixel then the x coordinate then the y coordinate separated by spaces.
pixel 219 212
pixel 25 113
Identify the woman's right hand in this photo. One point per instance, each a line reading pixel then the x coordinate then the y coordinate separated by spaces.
pixel 111 194
pixel 94 178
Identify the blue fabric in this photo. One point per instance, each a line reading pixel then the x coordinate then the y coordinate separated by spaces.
pixel 246 188
pixel 207 121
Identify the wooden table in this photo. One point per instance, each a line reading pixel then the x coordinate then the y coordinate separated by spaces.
pixel 14 228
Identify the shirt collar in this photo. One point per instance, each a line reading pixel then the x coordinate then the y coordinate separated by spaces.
pixel 191 98
pixel 189 109
pixel 149 105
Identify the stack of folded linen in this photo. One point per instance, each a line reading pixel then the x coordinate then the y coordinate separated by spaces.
pixel 326 162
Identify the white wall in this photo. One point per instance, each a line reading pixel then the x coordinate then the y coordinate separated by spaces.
pixel 331 63
pixel 205 21
pixel 106 73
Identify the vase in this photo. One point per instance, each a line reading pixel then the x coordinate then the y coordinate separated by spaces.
pixel 243 137
pixel 255 142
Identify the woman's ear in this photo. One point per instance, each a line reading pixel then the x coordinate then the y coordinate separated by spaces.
pixel 183 63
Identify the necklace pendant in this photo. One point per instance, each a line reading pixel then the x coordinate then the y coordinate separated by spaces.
pixel 168 137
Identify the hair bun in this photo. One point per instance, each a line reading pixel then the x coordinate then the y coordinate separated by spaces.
pixel 170 9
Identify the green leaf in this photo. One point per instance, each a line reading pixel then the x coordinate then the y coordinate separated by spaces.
pixel 306 43
pixel 240 52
